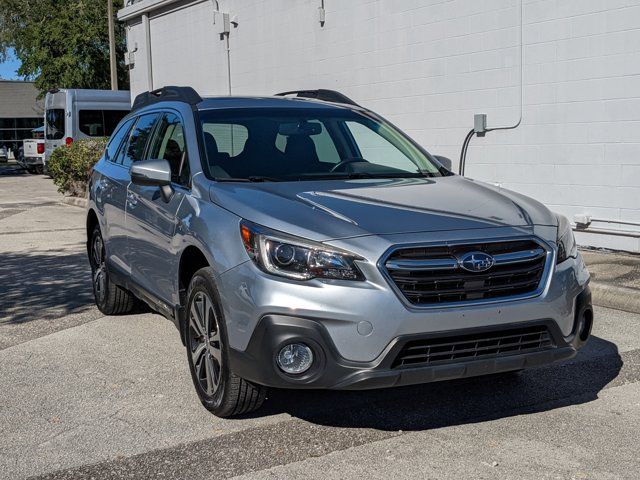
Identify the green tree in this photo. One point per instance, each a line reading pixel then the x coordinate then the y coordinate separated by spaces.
pixel 62 43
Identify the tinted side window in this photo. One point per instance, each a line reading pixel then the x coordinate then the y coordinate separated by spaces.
pixel 116 140
pixel 111 120
pixel 169 144
pixel 99 123
pixel 55 123
pixel 90 122
pixel 134 149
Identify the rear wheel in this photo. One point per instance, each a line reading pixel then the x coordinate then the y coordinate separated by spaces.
pixel 110 298
pixel 220 390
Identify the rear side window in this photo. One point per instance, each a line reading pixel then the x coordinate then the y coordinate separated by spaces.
pixel 99 123
pixel 116 140
pixel 55 123
pixel 134 149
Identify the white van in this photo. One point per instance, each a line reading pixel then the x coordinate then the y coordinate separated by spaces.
pixel 73 114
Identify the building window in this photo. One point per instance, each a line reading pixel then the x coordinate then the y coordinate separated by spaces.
pixel 14 130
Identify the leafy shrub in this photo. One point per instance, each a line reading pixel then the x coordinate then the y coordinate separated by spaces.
pixel 71 165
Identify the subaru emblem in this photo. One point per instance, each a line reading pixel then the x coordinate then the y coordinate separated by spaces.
pixel 476 262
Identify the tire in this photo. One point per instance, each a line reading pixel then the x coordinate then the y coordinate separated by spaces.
pixel 31 170
pixel 39 169
pixel 220 390
pixel 110 298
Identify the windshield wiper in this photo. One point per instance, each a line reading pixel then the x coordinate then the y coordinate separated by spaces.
pixel 250 179
pixel 361 175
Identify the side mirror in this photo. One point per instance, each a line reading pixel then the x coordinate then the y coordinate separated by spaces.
pixel 151 172
pixel 446 162
pixel 154 173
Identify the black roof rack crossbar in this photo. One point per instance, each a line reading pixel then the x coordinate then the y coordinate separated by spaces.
pixel 321 94
pixel 169 93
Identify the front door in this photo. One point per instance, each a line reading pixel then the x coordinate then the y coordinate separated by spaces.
pixel 151 219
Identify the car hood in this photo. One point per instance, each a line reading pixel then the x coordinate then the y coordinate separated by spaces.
pixel 329 210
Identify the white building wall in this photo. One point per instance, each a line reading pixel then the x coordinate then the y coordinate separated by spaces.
pixel 429 65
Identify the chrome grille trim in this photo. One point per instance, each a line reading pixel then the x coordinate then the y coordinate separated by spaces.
pixel 518 257
pixel 449 266
pixel 436 264
pixel 452 264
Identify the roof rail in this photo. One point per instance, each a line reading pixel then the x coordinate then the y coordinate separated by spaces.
pixel 169 93
pixel 320 94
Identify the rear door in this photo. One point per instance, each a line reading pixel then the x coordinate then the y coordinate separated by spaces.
pixel 55 121
pixel 151 220
pixel 110 195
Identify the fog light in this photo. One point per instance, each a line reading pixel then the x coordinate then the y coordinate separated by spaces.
pixel 295 358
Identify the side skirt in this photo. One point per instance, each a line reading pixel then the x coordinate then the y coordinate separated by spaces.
pixel 154 302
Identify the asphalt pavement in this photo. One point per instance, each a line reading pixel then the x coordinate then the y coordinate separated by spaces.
pixel 88 396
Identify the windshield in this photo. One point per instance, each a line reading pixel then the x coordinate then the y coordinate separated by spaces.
pixel 305 144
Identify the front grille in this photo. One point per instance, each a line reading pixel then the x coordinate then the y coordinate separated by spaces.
pixel 457 348
pixel 432 275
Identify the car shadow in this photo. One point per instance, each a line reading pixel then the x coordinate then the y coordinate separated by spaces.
pixel 10 169
pixel 37 286
pixel 441 404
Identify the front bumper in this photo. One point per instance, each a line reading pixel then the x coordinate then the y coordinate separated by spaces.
pixel 331 371
pixel 362 318
pixel 31 162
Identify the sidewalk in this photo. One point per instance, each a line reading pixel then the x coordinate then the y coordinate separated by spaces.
pixel 615 279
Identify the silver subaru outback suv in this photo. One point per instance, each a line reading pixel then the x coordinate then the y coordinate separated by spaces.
pixel 302 241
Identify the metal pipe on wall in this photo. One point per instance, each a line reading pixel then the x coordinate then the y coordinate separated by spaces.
pixel 608 231
pixel 469 137
pixel 113 65
pixel 147 33
pixel 621 222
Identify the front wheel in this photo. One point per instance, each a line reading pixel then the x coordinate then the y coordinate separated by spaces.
pixel 110 298
pixel 220 390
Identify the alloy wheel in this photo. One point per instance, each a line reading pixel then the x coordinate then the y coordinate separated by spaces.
pixel 205 345
pixel 99 268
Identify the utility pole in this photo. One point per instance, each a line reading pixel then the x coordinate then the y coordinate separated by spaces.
pixel 112 47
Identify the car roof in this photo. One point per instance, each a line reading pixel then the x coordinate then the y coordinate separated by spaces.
pixel 214 103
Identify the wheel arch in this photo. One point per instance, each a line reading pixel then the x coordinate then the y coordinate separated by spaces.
pixel 192 259
pixel 92 221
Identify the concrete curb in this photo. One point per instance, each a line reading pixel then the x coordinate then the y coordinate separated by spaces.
pixel 620 298
pixel 615 279
pixel 75 201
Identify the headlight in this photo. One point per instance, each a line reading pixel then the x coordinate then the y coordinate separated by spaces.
pixel 292 257
pixel 567 247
